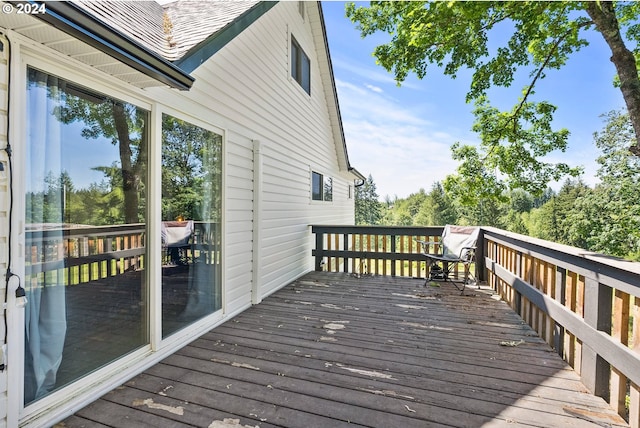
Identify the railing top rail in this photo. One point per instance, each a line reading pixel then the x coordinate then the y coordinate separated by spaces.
pixel 613 271
pixel 378 230
pixel 85 231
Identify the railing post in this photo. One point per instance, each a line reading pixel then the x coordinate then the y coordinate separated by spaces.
pixel 597 314
pixel 319 250
pixel 345 247
pixel 480 254
pixel 560 297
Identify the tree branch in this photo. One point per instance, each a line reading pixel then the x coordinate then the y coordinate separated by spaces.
pixel 554 48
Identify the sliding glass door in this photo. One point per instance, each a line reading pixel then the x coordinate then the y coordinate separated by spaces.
pixel 86 211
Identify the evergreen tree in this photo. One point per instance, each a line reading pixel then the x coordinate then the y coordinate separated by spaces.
pixel 607 219
pixel 368 208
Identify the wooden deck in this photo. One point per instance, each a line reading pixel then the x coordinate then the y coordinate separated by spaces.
pixel 333 350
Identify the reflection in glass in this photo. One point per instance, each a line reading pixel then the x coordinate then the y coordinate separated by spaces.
pixel 191 214
pixel 316 186
pixel 86 170
pixel 328 189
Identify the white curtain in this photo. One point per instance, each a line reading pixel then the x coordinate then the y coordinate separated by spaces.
pixel 45 316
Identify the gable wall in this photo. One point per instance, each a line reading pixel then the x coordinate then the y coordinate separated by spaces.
pixel 249 83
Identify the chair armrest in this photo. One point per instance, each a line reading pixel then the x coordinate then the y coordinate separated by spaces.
pixel 425 245
pixel 470 253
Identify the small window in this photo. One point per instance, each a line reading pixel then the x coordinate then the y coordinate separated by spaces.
pixel 321 187
pixel 300 66
pixel 301 8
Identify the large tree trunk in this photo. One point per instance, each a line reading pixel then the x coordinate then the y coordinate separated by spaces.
pixel 129 175
pixel 603 15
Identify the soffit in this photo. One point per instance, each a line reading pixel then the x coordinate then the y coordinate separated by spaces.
pixel 57 40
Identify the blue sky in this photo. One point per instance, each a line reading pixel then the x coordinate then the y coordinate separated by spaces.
pixel 402 135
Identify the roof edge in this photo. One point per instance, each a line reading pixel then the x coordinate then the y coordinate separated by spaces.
pixel 78 23
pixel 204 50
pixel 335 96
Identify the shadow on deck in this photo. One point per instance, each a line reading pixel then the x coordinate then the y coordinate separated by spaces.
pixel 333 350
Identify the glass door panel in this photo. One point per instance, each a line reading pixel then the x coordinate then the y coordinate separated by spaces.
pixel 86 174
pixel 191 218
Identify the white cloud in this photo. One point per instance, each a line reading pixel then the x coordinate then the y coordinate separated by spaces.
pixel 394 142
pixel 375 88
pixel 377 74
pixel 357 102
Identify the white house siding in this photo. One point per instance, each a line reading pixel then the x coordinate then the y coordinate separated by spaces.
pixel 248 85
pixel 238 221
pixel 4 197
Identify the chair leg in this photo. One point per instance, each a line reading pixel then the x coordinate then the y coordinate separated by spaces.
pixel 427 275
pixel 451 267
pixel 469 277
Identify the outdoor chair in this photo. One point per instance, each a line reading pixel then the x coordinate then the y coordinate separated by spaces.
pixel 177 240
pixel 458 245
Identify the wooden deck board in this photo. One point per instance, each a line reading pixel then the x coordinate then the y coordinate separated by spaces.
pixel 333 350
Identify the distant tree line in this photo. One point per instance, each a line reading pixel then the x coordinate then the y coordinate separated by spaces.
pixel 604 218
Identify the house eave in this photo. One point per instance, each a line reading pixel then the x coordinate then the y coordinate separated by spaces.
pixel 76 22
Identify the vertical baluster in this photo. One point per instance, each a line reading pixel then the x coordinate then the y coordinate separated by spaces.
pixel 580 312
pixel 410 250
pixel 384 250
pixel 100 250
pixel 550 290
pixel 560 296
pixel 402 263
pixel 393 250
pixel 336 260
pixel 354 247
pixel 570 345
pixel 541 286
pixel 327 266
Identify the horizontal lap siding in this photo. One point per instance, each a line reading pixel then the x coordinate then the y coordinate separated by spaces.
pixel 238 221
pixel 248 87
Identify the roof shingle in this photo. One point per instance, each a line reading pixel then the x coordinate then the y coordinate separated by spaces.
pixel 171 30
pixel 195 21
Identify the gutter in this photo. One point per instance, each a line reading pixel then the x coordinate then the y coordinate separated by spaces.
pixel 76 22
pixel 359 175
